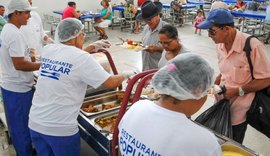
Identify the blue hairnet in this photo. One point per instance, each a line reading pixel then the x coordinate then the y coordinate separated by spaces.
pixel 187 76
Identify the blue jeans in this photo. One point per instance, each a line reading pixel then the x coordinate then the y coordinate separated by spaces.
pixel 17 107
pixel 47 145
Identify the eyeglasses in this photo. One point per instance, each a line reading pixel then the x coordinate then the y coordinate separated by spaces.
pixel 165 43
pixel 214 32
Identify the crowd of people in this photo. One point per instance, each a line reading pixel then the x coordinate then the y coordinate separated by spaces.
pixel 45 113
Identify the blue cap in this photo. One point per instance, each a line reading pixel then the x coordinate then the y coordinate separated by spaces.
pixel 217 16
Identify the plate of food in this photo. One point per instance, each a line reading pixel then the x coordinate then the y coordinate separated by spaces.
pixel 130 44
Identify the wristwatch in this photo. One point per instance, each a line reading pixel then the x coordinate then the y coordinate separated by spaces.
pixel 241 91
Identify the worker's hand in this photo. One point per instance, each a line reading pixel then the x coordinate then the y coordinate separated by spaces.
pixel 47 39
pixel 101 44
pixel 129 73
pixel 50 41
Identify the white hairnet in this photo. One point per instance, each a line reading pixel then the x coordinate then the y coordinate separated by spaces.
pixel 19 5
pixel 187 76
pixel 67 29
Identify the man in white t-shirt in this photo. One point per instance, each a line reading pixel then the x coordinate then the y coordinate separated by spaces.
pixel 34 33
pixel 17 76
pixel 162 127
pixel 65 72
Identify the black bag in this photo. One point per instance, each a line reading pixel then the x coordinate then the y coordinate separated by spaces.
pixel 258 115
pixel 217 118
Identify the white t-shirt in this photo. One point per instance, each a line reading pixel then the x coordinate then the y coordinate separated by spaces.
pixel 63 77
pixel 33 32
pixel 13 45
pixel 148 129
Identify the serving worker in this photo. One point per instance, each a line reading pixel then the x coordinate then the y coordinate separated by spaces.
pixel 182 85
pixel 17 76
pixel 65 72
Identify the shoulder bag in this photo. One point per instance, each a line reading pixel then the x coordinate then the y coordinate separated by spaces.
pixel 258 115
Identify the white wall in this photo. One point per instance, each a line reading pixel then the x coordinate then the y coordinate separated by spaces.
pixel 47 6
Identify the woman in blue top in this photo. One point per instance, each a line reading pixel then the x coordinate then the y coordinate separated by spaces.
pixel 104 21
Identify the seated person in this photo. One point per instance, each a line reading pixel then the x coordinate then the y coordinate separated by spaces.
pixel 177 11
pixel 218 4
pixel 70 11
pixel 239 6
pixel 130 13
pixel 104 21
pixel 252 5
pixel 182 85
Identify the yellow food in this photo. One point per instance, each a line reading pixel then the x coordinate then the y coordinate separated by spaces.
pixel 131 46
pixel 231 153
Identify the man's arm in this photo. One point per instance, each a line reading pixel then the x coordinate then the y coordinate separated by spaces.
pixel 76 13
pixel 154 49
pixel 252 86
pixel 21 64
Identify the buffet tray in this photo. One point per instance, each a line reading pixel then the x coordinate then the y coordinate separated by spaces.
pixel 109 119
pixel 99 102
pixel 230 147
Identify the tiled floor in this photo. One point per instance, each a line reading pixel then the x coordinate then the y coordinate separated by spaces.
pixel 126 59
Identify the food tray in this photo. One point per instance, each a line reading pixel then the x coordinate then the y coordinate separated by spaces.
pixel 229 149
pixel 101 100
pixel 105 122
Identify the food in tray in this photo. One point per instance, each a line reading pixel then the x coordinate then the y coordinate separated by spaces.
pixel 109 106
pixel 107 123
pixel 147 90
pixel 150 93
pixel 231 153
pixel 91 108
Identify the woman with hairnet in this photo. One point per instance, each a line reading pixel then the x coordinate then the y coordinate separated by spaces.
pixel 65 72
pixel 163 127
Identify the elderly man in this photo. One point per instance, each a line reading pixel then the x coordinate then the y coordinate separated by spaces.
pixel 17 78
pixel 234 67
pixel 2 20
pixel 150 13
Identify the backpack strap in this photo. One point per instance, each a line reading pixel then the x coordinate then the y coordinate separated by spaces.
pixel 247 49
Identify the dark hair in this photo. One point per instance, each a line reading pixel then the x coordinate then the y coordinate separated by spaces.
pixel 169 31
pixel 2 6
pixel 71 3
pixel 199 10
pixel 106 3
pixel 224 25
